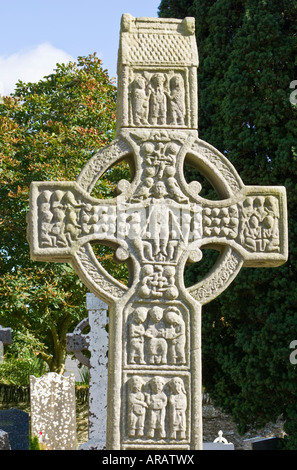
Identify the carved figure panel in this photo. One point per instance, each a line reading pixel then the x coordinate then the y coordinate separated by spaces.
pixel 157 408
pixel 64 217
pixel 157 335
pixel 157 99
pixel 252 223
pixel 260 224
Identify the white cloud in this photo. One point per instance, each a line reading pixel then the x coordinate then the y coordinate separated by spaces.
pixel 29 65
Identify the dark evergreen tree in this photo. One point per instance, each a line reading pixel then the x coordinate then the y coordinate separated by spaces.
pixel 248 60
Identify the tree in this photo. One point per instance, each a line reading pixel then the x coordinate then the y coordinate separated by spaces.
pixel 247 51
pixel 48 131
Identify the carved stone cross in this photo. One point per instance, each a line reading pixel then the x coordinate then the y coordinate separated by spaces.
pixel 157 223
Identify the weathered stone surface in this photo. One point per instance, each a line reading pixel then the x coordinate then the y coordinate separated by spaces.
pixel 96 342
pixel 53 411
pixel 157 223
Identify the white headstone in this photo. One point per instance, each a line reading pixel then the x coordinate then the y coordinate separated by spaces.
pixel 53 411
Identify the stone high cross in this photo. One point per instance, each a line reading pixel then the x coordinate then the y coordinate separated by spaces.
pixel 157 223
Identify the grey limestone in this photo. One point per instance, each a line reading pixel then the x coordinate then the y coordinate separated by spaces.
pixel 157 222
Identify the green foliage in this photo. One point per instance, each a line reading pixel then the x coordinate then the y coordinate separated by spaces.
pixel 176 8
pixel 34 443
pixel 247 51
pixel 48 131
pixel 21 360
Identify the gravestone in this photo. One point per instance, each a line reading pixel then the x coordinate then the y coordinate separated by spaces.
pixel 157 223
pixel 16 424
pixel 96 342
pixel 53 411
pixel 270 443
pixel 220 443
pixel 5 338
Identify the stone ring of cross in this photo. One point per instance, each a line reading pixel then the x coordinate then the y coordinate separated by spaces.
pixel 247 224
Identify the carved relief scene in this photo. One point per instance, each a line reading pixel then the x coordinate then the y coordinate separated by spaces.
pixel 157 408
pixel 157 99
pixel 64 217
pixel 252 223
pixel 260 224
pixel 159 153
pixel 157 335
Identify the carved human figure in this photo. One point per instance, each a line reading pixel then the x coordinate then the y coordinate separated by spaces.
pixel 136 407
pixel 139 101
pixel 134 225
pixel 57 230
pixel 230 222
pixel 157 401
pixel 160 222
pixel 85 217
pixel 157 100
pixel 177 404
pixel 176 101
pixel 136 336
pixel 271 224
pixel 252 233
pixel 72 227
pixel 146 288
pixel 168 285
pixel 157 345
pixel 172 185
pixel 45 218
pixel 45 228
pixel 144 190
pixel 175 335
pixel 260 226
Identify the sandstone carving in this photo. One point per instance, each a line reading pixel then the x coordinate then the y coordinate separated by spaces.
pixel 157 222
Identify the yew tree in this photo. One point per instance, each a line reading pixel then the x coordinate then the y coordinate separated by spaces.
pixel 48 131
pixel 247 51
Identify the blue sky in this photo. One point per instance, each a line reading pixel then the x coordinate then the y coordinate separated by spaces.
pixel 37 34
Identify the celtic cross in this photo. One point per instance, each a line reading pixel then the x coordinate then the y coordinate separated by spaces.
pixel 157 223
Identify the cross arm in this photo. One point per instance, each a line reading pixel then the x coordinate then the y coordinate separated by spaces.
pixel 78 342
pixel 62 221
pixel 63 217
pixel 252 222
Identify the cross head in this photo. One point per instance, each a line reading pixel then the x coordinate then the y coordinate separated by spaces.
pixel 157 223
